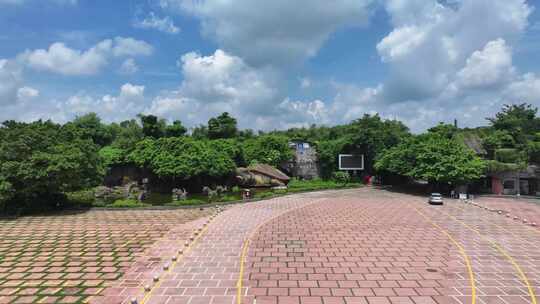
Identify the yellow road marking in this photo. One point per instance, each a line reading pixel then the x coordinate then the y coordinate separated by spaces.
pixel 245 248
pixel 501 227
pixel 503 252
pixel 461 251
pixel 241 275
pixel 186 250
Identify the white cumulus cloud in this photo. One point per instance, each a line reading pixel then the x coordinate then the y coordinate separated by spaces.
pixel 59 58
pixel 279 31
pixel 152 21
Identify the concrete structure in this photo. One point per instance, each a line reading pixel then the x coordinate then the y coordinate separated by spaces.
pixel 305 163
pixel 525 182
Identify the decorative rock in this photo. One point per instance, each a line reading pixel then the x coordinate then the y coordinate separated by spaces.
pixel 147 288
pixel 174 258
pixel 156 278
pixel 515 217
pixel 133 301
pixel 186 244
pixel 179 194
pixel 533 224
pixel 180 252
pixel 508 215
pixel 525 221
pixel 499 212
pixel 166 267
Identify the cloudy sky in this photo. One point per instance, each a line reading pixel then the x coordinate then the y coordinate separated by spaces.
pixel 272 64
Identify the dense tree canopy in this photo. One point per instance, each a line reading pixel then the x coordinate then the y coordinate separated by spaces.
pixel 267 149
pixel 433 157
pixel 182 157
pixel 40 160
pixel 223 126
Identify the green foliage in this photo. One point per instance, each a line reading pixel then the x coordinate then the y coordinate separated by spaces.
pixel 533 150
pixel 200 132
pixel 127 203
pixel 152 126
pixel 445 130
pixel 328 151
pixel 175 130
pixel 493 166
pixel 232 147
pixel 128 134
pixel 519 121
pixel 40 160
pixel 369 135
pixel 267 149
pixel 296 185
pixel 89 126
pixel 223 126
pixel 434 158
pixel 498 139
pixel 341 177
pixel 81 198
pixel 181 157
pixel 111 156
pixel 512 156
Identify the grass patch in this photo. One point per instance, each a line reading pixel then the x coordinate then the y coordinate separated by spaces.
pixel 127 203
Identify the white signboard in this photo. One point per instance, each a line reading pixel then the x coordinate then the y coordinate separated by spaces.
pixel 351 162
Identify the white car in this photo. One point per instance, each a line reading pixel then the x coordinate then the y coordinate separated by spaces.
pixel 435 199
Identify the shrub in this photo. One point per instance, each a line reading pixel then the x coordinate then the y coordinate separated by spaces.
pixel 511 156
pixel 341 177
pixel 82 198
pixel 127 203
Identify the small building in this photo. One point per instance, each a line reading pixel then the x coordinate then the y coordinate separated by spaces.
pixel 305 163
pixel 510 182
pixel 524 182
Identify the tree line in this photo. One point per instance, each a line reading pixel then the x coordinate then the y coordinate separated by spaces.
pixel 42 160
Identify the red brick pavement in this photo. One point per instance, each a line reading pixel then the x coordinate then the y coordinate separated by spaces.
pixel 363 246
pixel 209 271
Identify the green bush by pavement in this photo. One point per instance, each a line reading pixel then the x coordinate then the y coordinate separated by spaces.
pixel 127 203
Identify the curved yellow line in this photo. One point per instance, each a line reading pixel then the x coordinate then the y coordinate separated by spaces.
pixel 245 248
pixel 241 275
pixel 461 251
pixel 188 248
pixel 503 252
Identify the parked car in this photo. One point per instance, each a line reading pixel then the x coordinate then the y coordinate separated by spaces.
pixel 435 199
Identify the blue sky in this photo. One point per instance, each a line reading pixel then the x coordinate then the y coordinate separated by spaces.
pixel 273 65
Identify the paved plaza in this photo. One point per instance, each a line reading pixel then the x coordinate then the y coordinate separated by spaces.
pixel 365 246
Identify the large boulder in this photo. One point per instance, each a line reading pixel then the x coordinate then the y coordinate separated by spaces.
pixel 261 175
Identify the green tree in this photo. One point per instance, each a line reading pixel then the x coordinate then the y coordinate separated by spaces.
pixel 128 134
pixel 90 126
pixel 433 157
pixel 152 126
pixel 267 149
pixel 446 130
pixel 519 120
pixel 182 158
pixel 40 160
pixel 175 130
pixel 223 126
pixel 200 132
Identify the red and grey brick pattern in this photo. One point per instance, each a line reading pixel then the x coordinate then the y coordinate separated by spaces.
pixel 363 246
pixel 69 258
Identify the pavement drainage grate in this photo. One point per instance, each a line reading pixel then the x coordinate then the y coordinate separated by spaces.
pixel 431 270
